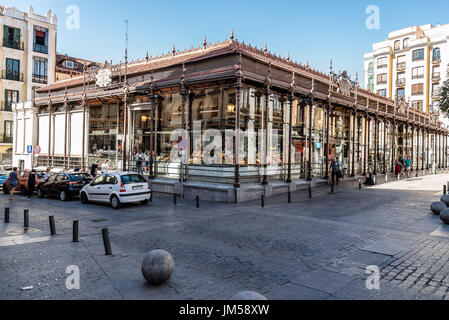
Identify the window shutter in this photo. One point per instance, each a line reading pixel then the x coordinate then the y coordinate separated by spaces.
pixel 17 35
pixel 5 32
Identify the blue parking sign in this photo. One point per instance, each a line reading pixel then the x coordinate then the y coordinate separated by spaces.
pixel 29 149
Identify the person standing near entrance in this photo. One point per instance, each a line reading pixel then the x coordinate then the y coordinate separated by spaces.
pixel 31 183
pixel 13 183
pixel 139 160
pixel 147 161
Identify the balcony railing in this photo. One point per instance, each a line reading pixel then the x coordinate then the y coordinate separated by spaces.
pixel 16 76
pixel 436 60
pixel 436 76
pixel 39 79
pixel 400 82
pixel 40 48
pixel 381 66
pixel 436 93
pixel 401 66
pixel 417 76
pixel 6 139
pixel 13 44
pixel 382 82
pixel 6 106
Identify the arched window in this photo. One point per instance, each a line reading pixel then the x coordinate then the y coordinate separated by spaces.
pixel 436 54
pixel 397 45
pixel 405 45
pixel 371 67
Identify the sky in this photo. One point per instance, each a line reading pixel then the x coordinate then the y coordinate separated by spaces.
pixel 314 31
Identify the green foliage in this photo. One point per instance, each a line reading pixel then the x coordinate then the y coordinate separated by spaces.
pixel 443 100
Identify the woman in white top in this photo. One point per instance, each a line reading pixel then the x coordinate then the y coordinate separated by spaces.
pixel 105 167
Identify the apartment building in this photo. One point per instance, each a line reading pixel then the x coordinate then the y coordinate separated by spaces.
pixel 411 64
pixel 28 58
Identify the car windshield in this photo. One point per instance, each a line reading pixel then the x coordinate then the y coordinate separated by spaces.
pixel 79 177
pixel 132 178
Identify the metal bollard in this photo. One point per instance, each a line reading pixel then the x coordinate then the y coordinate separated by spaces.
pixel 76 231
pixel 262 201
pixel 6 215
pixel 289 197
pixel 197 202
pixel 444 190
pixel 151 197
pixel 106 242
pixel 360 184
pixel 332 188
pixel 310 191
pixel 174 199
pixel 52 225
pixel 26 218
pixel 447 189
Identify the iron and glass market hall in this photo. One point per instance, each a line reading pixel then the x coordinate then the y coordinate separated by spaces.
pixel 230 119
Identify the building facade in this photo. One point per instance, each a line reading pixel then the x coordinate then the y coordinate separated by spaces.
pixel 69 67
pixel 230 114
pixel 27 57
pixel 411 64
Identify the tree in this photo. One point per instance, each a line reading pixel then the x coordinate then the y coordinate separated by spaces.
pixel 443 100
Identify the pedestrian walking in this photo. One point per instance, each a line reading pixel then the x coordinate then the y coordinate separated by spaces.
pixel 408 166
pixel 31 183
pixel 398 167
pixel 336 171
pixel 139 159
pixel 105 167
pixel 94 169
pixel 147 161
pixel 13 182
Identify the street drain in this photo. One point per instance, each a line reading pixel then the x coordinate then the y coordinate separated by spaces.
pixel 99 220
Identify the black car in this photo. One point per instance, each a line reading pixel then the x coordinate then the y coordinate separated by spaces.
pixel 63 185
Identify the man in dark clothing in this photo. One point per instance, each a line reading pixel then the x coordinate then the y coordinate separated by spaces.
pixel 94 169
pixel 336 171
pixel 31 183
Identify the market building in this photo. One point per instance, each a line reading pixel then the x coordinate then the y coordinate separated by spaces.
pixel 227 118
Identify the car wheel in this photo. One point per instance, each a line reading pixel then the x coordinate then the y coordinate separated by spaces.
pixel 144 202
pixel 5 189
pixel 39 193
pixel 63 196
pixel 115 202
pixel 84 199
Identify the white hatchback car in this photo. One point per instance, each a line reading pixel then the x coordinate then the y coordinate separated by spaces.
pixel 117 188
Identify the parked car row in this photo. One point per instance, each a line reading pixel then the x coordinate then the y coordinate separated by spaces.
pixel 113 188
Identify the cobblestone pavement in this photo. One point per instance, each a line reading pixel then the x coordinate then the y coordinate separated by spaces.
pixel 310 249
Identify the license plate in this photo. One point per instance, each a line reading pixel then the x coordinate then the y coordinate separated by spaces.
pixel 137 188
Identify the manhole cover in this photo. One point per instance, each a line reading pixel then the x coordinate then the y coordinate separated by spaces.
pixel 20 231
pixel 99 220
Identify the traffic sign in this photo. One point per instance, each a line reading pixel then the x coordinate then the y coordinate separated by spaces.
pixel 37 149
pixel 29 149
pixel 181 143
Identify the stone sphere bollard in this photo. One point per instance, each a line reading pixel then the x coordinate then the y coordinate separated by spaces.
pixel 248 295
pixel 437 207
pixel 445 199
pixel 444 215
pixel 157 267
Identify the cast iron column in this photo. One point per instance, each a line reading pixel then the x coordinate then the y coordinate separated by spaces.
pixel 290 138
pixel 365 143
pixel 267 100
pixel 385 146
pixel 152 133
pixel 239 75
pixel 309 164
pixel 376 141
pixel 327 141
pixel 354 123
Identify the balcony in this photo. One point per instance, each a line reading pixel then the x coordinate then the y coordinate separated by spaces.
pixel 436 77
pixel 401 66
pixel 436 94
pixel 436 61
pixel 400 82
pixel 40 48
pixel 13 44
pixel 6 106
pixel 381 66
pixel 6 139
pixel 39 79
pixel 15 76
